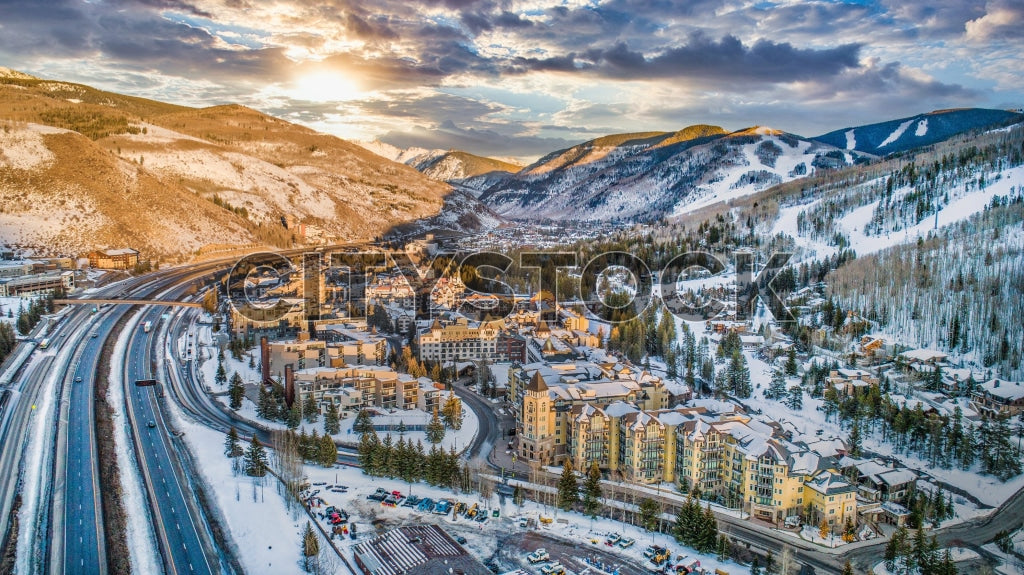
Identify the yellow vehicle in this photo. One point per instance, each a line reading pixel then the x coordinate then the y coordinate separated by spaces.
pixel 545 520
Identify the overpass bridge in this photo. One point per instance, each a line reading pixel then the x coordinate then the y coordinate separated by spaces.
pixel 128 302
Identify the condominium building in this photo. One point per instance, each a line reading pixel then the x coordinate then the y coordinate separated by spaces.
pixel 355 387
pixel 461 340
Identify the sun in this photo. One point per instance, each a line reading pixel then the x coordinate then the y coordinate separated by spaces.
pixel 325 86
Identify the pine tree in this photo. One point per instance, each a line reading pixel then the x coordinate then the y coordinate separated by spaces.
pixel 265 406
pixel 738 375
pixel 855 439
pixel 755 566
pixel 791 365
pixel 777 389
pixel 895 549
pixel 310 410
pixel 708 532
pixel 848 568
pixel 795 399
pixel 232 448
pixel 236 392
pixel 568 489
pixel 435 430
pixel 386 462
pixel 221 376
pixel 649 511
pixel 327 453
pixel 310 546
pixel 592 491
pixel 363 423
pixel 332 424
pixel 293 416
pixel 369 443
pixel 255 461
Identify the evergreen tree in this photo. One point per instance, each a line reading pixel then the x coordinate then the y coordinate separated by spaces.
pixel 386 462
pixel 896 549
pixel 708 532
pixel 310 546
pixel 568 489
pixel 363 423
pixel 649 511
pixel 293 416
pixel 332 423
pixel 221 376
pixel 848 568
pixel 327 453
pixel 777 388
pixel 791 364
pixel 309 409
pixel 855 439
pixel 738 375
pixel 369 443
pixel 592 491
pixel 755 566
pixel 236 392
pixel 795 399
pixel 265 406
pixel 232 448
pixel 435 430
pixel 255 462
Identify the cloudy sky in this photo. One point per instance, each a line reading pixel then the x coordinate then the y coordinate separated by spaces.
pixel 520 78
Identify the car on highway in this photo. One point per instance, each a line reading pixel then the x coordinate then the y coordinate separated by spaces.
pixel 78 379
pixel 151 424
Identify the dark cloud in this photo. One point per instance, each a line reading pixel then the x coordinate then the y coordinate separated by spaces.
pixel 727 59
pixel 484 142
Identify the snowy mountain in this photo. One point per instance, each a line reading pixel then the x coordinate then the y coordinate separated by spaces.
pixel 81 168
pixel 900 135
pixel 471 172
pixel 649 175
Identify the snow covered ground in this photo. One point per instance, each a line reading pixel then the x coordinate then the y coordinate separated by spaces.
pixel 12 305
pixel 207 350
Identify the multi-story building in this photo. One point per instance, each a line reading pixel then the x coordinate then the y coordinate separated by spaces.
pixel 711 447
pixel 37 284
pixel 460 340
pixel 999 397
pixel 121 259
pixel 352 388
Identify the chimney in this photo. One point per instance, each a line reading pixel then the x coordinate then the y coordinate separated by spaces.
pixel 265 358
pixel 289 385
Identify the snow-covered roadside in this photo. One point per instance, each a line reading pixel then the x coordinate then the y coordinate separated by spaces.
pixel 38 461
pixel 140 537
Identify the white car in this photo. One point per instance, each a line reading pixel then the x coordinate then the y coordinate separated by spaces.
pixel 551 568
pixel 538 556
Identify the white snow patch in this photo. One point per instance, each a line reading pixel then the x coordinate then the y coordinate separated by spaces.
pixel 895 135
pixel 922 128
pixel 851 140
pixel 22 148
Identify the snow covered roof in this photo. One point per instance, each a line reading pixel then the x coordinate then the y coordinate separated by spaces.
pixel 1005 390
pixel 897 477
pixel 829 483
pixel 924 355
pixel 619 408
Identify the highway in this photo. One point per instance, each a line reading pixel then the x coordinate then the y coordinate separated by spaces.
pixel 179 525
pixel 84 548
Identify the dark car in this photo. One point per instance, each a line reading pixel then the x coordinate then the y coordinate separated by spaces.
pixel 151 424
pixel 460 540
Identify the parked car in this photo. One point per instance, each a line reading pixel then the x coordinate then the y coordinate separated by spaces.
pixel 378 495
pixel 460 539
pixel 411 501
pixel 538 556
pixel 425 504
pixel 613 538
pixel 626 542
pixel 552 568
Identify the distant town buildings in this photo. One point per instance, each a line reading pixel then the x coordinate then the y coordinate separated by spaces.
pixel 116 259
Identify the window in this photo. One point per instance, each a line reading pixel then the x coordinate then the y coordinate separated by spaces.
pixel 831 511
